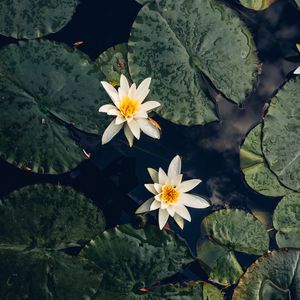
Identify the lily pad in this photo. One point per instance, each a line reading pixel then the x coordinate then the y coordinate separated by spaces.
pixel 183 45
pixel 31 19
pixel 286 221
pixel 37 274
pixel 219 263
pixel 254 166
pixel 143 2
pixel 113 62
pixel 257 4
pixel 135 260
pixel 298 3
pixel 274 276
pixel 45 88
pixel 48 216
pixel 237 230
pixel 281 131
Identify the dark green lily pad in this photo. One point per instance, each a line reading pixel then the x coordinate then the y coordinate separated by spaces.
pixel 298 3
pixel 113 62
pixel 219 263
pixel 40 275
pixel 286 221
pixel 29 19
pixel 180 43
pixel 257 4
pixel 237 230
pixel 256 171
pixel 48 216
pixel 143 2
pixel 135 260
pixel 44 88
pixel 274 276
pixel 281 131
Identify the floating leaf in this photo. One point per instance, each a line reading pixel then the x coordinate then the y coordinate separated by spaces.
pixel 274 276
pixel 31 19
pixel 135 259
pixel 48 216
pixel 182 43
pixel 237 230
pixel 286 220
pixel 113 62
pixel 256 171
pixel 257 4
pixel 143 2
pixel 281 131
pixel 219 263
pixel 37 274
pixel 45 87
pixel 298 3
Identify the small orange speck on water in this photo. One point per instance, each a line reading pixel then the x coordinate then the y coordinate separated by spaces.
pixel 144 290
pixel 78 43
pixel 154 123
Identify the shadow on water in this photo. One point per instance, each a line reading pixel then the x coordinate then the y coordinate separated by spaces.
pixel 114 176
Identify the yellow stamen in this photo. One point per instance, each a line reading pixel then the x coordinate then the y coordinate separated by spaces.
pixel 128 106
pixel 169 194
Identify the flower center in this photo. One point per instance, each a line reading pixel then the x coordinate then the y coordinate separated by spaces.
pixel 128 106
pixel 169 194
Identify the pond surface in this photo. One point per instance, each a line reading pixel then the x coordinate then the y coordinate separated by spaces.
pixel 114 176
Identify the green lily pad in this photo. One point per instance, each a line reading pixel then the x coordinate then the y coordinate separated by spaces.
pixel 254 166
pixel 237 230
pixel 48 216
pixel 184 44
pixel 257 4
pixel 274 276
pixel 219 263
pixel 113 62
pixel 298 3
pixel 143 2
pixel 37 274
pixel 281 131
pixel 44 88
pixel 187 291
pixel 31 19
pixel 286 220
pixel 135 260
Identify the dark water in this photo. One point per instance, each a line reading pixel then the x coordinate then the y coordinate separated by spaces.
pixel 114 176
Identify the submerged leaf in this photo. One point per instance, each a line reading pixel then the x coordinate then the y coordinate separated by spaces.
pixel 274 276
pixel 45 88
pixel 29 19
pixel 237 230
pixel 257 4
pixel 135 259
pixel 183 45
pixel 48 216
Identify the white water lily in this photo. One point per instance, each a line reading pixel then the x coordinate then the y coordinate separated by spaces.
pixel 297 71
pixel 129 110
pixel 170 195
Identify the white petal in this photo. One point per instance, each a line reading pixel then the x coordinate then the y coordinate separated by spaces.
pixel 158 187
pixel 148 128
pixel 149 105
pixel 111 131
pixel 120 120
pixel 132 91
pixel 162 176
pixel 141 115
pixel 106 107
pixel 188 185
pixel 155 205
pixel 122 93
pixel 174 167
pixel 153 174
pixel 129 135
pixel 113 112
pixel 124 85
pixel 150 187
pixel 176 180
pixel 193 201
pixel 135 128
pixel 183 212
pixel 179 221
pixel 144 207
pixel 163 217
pixel 111 91
pixel 171 210
pixel 297 71
pixel 143 89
